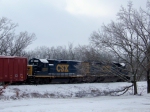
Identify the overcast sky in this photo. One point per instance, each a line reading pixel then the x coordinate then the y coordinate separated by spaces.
pixel 59 22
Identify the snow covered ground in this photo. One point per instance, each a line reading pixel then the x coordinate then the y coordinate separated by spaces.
pixel 93 97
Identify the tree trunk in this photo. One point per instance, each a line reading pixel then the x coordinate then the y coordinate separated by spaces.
pixel 148 82
pixel 135 85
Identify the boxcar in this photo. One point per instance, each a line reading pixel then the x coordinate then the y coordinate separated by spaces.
pixel 13 69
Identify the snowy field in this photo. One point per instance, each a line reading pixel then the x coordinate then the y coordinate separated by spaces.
pixel 93 97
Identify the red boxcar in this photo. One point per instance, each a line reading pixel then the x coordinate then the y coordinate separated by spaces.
pixel 13 69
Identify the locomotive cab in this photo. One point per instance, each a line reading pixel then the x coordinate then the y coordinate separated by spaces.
pixel 38 67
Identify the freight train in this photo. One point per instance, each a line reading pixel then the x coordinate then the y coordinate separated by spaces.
pixel 45 71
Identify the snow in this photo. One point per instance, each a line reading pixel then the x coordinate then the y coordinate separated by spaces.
pixel 43 60
pixel 122 64
pixel 89 97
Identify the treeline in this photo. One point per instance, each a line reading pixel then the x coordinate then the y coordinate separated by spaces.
pixel 82 53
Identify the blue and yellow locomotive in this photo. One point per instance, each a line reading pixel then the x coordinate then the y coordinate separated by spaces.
pixel 47 70
pixel 70 71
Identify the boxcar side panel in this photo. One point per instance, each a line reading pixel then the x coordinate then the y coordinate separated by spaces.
pixel 13 69
pixel 16 69
pixel 1 69
pixel 22 69
pixel 6 69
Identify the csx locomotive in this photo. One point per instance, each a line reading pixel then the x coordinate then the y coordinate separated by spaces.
pixel 70 71
pixel 48 70
pixel 45 71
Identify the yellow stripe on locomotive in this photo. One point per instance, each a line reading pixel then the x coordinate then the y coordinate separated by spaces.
pixel 30 70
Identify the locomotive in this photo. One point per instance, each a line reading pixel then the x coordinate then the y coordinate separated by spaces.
pixel 48 70
pixel 45 71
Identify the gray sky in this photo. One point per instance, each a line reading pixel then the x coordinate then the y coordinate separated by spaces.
pixel 59 22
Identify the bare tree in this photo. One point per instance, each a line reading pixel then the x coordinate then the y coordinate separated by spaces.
pixel 10 43
pixel 20 42
pixel 139 22
pixel 127 39
pixel 6 34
